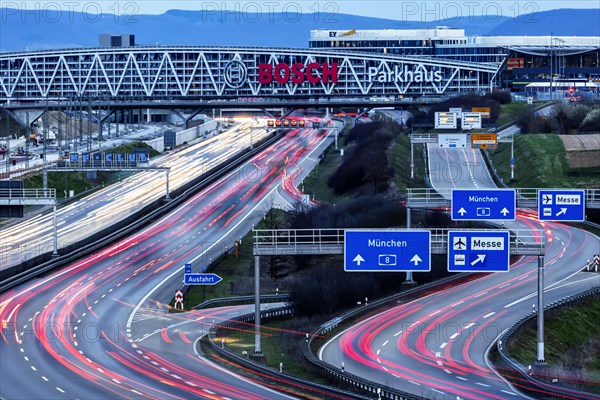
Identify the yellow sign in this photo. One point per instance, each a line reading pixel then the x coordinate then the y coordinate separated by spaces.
pixel 484 141
pixel 485 111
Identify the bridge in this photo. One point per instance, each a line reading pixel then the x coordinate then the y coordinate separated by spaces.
pixel 217 77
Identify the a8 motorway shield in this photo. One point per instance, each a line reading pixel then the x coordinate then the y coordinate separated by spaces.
pixel 387 250
pixel 478 251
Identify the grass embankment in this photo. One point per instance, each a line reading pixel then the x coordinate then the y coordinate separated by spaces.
pixel 315 183
pixel 540 162
pixel 400 161
pixel 508 112
pixel 571 341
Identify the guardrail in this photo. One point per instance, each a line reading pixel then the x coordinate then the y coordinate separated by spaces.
pixel 244 320
pixel 229 301
pixel 382 391
pixel 17 193
pixel 521 376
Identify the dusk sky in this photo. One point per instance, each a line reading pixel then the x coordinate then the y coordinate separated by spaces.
pixel 424 10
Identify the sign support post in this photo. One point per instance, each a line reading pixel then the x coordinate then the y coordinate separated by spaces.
pixel 512 159
pixel 257 349
pixel 540 312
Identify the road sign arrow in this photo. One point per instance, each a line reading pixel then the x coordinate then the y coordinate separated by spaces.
pixel 480 258
pixel 416 259
pixel 504 211
pixel 462 211
pixel 561 212
pixel 358 259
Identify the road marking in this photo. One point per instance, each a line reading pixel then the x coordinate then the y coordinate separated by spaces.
pixel 116 381
pixel 443 345
pixel 489 315
pixel 44 378
pixel 208 391
pixel 461 378
pixel 62 391
pixel 384 343
pixel 438 354
pixel 439 363
pixel 447 371
pixel 480 294
pixel 397 333
pixel 503 286
pixel 482 384
pixel 469 325
pixel 434 313
pixel 193 384
pixel 457 303
pixel 438 391
pixel 378 350
pixel 415 383
pixel 26 358
pixel 454 336
pixel 507 392
pixel 33 368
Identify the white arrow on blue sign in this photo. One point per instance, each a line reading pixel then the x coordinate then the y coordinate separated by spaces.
pixel 478 251
pixel 201 279
pixel 387 250
pixel 561 205
pixel 484 204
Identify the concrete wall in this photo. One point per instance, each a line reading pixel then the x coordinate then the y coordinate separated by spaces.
pixel 157 144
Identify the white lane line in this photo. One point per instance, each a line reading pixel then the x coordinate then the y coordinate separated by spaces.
pixel 415 383
pixel 397 333
pixel 384 343
pixel 523 277
pixel 44 378
pixel 434 313
pixel 457 303
pixel 438 354
pixel 378 350
pixel 482 384
pixel 116 381
pixel 447 371
pixel 60 390
pixel 480 294
pixel 461 378
pixel 489 315
pixel 507 392
pixel 443 345
pixel 439 363
pixel 469 325
pixel 208 391
pixel 454 336
pixel 193 384
pixel 33 368
pixel 438 391
pixel 503 286
pixel 26 358
pixel 378 360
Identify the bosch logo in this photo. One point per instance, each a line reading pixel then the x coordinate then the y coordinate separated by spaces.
pixel 235 74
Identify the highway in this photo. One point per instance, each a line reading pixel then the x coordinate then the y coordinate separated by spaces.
pixel 101 327
pixel 100 209
pixel 436 347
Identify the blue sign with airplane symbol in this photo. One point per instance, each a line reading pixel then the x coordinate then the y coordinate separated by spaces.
pixel 561 205
pixel 478 251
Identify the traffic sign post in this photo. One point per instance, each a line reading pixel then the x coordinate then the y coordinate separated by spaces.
pixel 201 279
pixel 561 205
pixel 478 251
pixel 484 204
pixel 387 251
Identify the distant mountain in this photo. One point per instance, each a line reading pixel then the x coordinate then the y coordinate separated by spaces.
pixel 34 30
pixel 563 22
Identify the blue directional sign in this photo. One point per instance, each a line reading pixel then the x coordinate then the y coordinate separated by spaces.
pixel 387 251
pixel 478 251
pixel 188 268
pixel 561 205
pixel 201 279
pixel 483 204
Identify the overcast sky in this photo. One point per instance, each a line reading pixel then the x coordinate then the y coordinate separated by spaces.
pixel 418 10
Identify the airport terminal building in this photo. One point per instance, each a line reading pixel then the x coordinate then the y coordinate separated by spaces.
pixel 524 59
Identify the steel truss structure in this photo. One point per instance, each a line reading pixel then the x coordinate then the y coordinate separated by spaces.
pixel 186 73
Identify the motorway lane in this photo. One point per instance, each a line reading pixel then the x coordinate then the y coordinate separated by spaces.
pixel 436 346
pixel 97 211
pixel 77 327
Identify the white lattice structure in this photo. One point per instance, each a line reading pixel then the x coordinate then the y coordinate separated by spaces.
pixel 187 73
